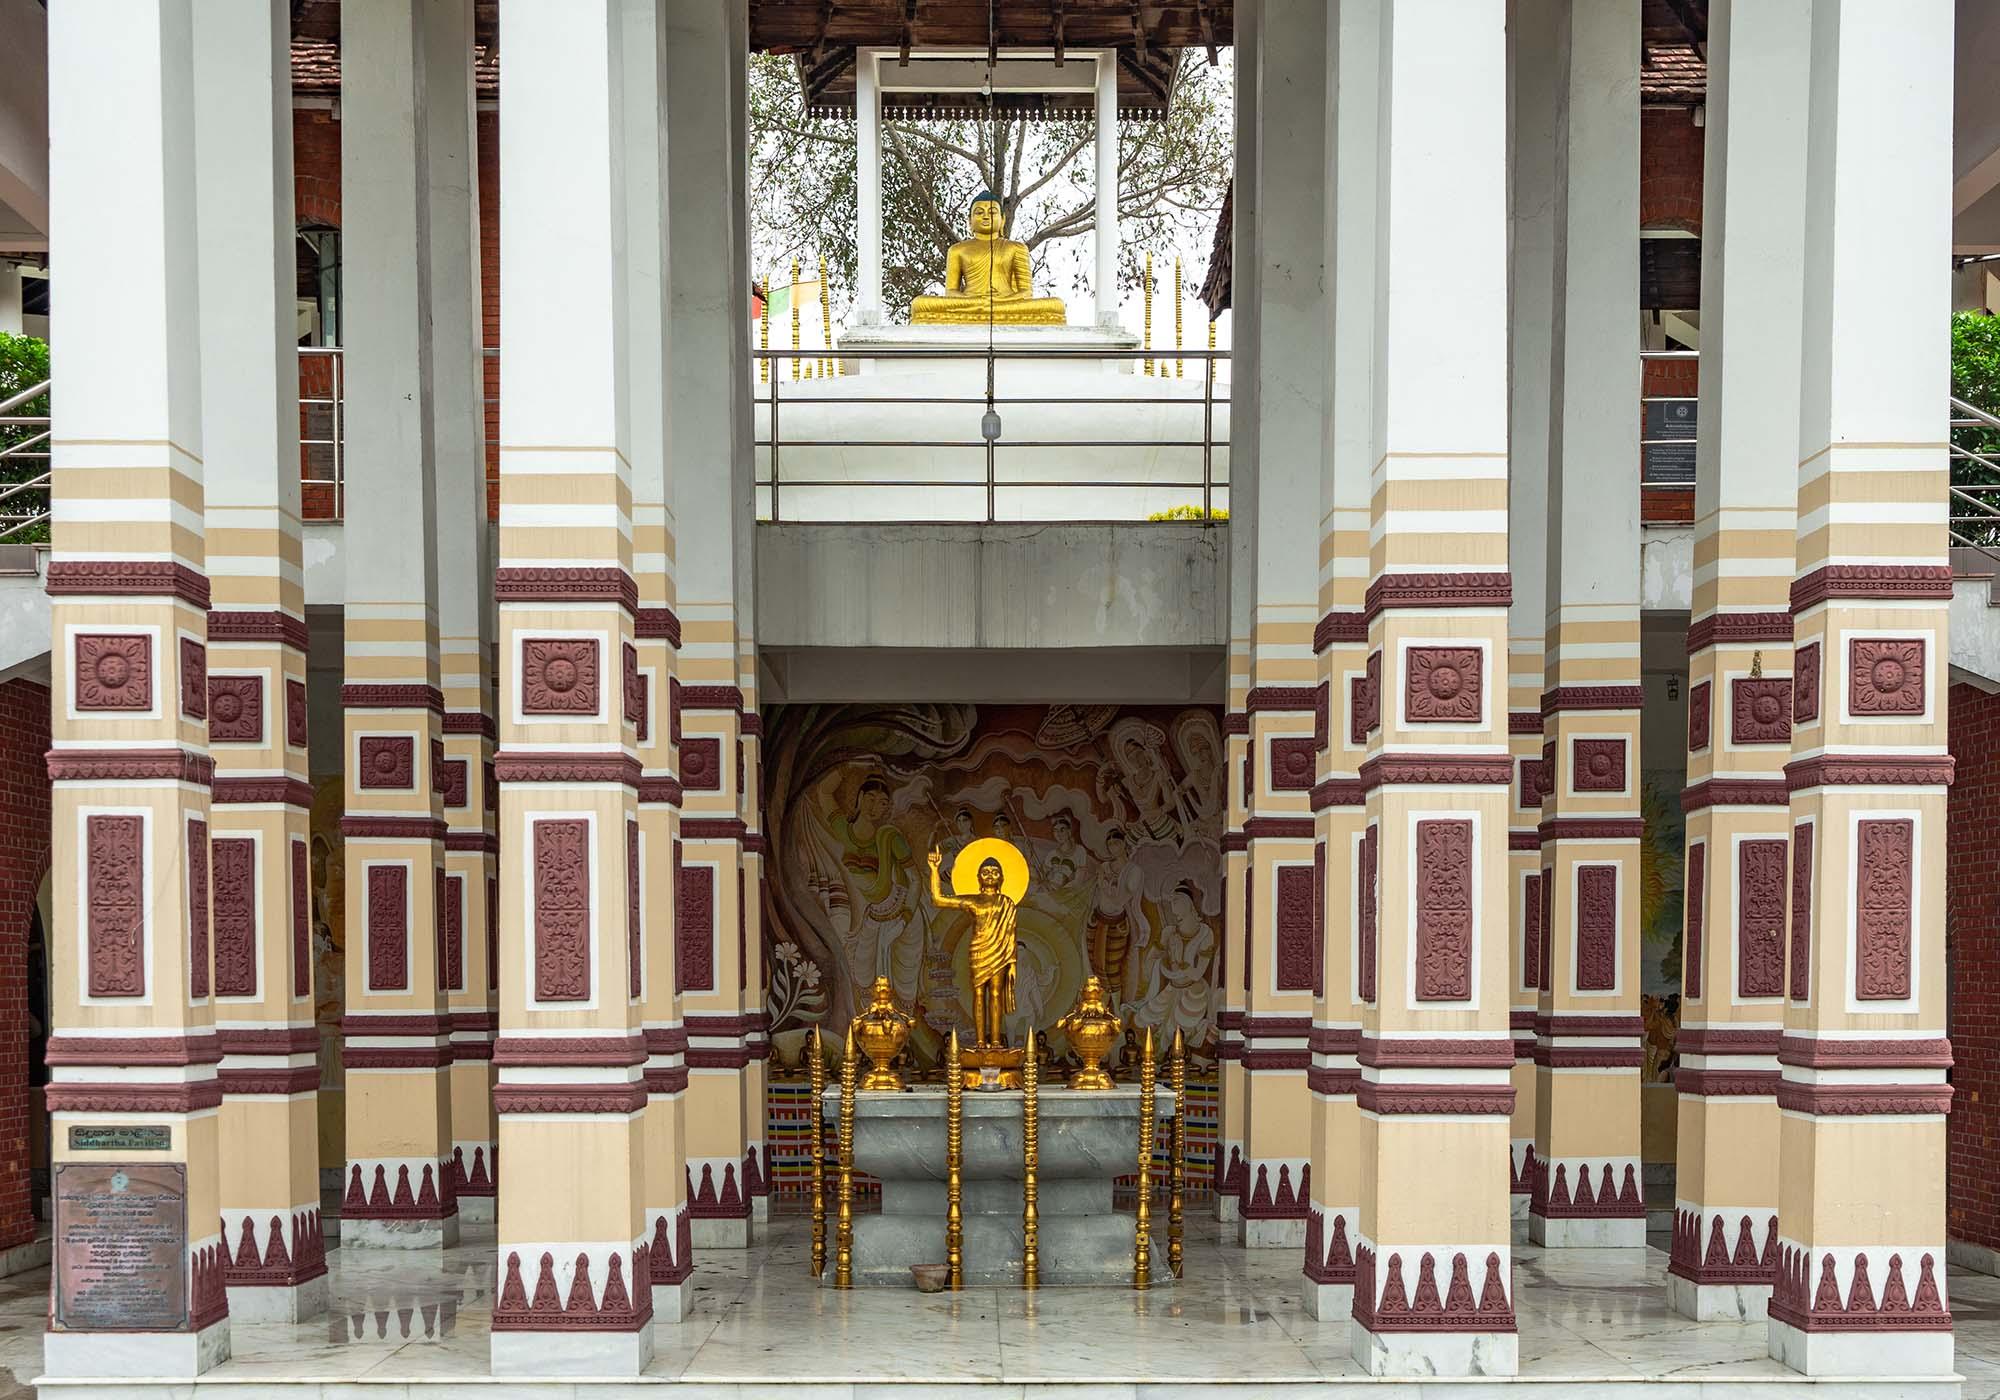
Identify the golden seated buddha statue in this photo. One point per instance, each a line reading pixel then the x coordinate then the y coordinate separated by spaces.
pixel 987 278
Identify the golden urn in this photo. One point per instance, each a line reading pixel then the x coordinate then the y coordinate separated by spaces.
pixel 881 1031
pixel 1091 1027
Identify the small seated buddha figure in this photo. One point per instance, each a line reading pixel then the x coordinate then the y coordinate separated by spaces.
pixel 987 277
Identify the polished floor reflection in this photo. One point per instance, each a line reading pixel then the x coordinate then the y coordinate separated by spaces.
pixel 1598 1316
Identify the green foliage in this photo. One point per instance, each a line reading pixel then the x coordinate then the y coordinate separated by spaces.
pixel 1189 513
pixel 1171 175
pixel 1975 378
pixel 24 363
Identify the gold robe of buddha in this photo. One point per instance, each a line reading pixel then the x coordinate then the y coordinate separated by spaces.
pixel 991 958
pixel 987 277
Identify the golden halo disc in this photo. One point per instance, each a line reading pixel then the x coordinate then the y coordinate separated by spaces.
pixel 1013 867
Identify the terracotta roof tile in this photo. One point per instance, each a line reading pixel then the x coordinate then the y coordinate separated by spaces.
pixel 316 69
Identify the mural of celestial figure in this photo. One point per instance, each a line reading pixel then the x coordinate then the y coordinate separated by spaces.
pixel 882 938
pixel 1142 776
pixel 1118 920
pixel 1180 973
pixel 1204 793
pixel 993 947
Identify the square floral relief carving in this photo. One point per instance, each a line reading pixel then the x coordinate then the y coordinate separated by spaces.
pixel 1885 676
pixel 1441 685
pixel 113 672
pixel 559 676
pixel 236 709
pixel 194 679
pixel 1598 765
pixel 1805 684
pixel 1760 710
pixel 388 761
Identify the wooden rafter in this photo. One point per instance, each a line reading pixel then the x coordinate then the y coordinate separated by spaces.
pixel 1692 17
pixel 1057 18
pixel 1206 18
pixel 909 32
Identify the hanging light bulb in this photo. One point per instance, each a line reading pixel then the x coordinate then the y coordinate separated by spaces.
pixel 989 424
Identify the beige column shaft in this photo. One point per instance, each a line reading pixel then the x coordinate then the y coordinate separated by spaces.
pixel 132 1047
pixel 465 599
pixel 273 1242
pixel 1740 682
pixel 1433 1290
pixel 1861 1286
pixel 1353 62
pixel 1587 1188
pixel 571 1052
pixel 398 1187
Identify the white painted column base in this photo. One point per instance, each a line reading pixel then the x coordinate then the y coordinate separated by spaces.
pixel 477 1210
pixel 155 1355
pixel 1980 1258
pixel 1327 1302
pixel 265 1303
pixel 672 1302
pixel 1228 1208
pixel 1436 1353
pixel 580 1353
pixel 760 1210
pixel 728 1232
pixel 1861 1353
pixel 1517 1206
pixel 1573 1233
pixel 1261 1232
pixel 1718 1302
pixel 399 1234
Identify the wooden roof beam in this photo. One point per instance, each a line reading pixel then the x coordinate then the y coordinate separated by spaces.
pixel 1207 20
pixel 909 27
pixel 1059 17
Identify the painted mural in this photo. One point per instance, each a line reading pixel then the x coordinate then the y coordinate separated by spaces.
pixel 1661 847
pixel 1119 810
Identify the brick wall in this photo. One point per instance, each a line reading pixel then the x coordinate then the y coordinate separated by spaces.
pixel 1670 156
pixel 1972 934
pixel 24 860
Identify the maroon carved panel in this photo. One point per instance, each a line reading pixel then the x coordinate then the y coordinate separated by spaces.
pixel 1805 684
pixel 632 937
pixel 629 687
pixel 1597 765
pixel 437 766
pixel 489 773
pixel 1596 928
pixel 673 709
pixel 1295 928
pixel 389 928
pixel 1531 932
pixel 1698 714
pixel 1883 876
pixel 1760 918
pixel 388 761
pixel 194 679
pixel 1319 919
pixel 642 691
pixel 562 911
pixel 198 908
pixel 694 925
pixel 1292 764
pixel 1760 710
pixel 1548 930
pixel 236 709
pixel 1534 781
pixel 115 886
pixel 452 976
pixel 1322 716
pixel 1802 871
pixel 493 935
pixel 701 765
pixel 1444 910
pixel 235 913
pixel 1695 917
pixel 1442 685
pixel 1374 710
pixel 301 922
pixel 113 672
pixel 457 781
pixel 1370 910
pixel 295 714
pixel 1357 710
pixel 559 676
pixel 1885 676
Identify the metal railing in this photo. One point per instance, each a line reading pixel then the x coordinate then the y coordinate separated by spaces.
pixel 1975 478
pixel 1192 488
pixel 1667 429
pixel 25 504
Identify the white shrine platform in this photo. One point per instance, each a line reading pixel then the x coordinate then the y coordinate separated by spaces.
pixel 1593 1323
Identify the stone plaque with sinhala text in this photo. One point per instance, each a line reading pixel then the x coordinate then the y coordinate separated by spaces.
pixel 121 1246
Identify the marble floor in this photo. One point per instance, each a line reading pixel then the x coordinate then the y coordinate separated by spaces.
pixel 1592 1322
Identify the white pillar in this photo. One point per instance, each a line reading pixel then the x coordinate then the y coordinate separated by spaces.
pixel 1106 287
pixel 868 188
pixel 257 662
pixel 128 619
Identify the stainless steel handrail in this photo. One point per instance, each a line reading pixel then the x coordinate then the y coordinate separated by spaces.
pixel 775 442
pixel 34 447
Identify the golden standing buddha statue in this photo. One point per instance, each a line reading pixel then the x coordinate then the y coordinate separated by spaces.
pixel 991 959
pixel 988 277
